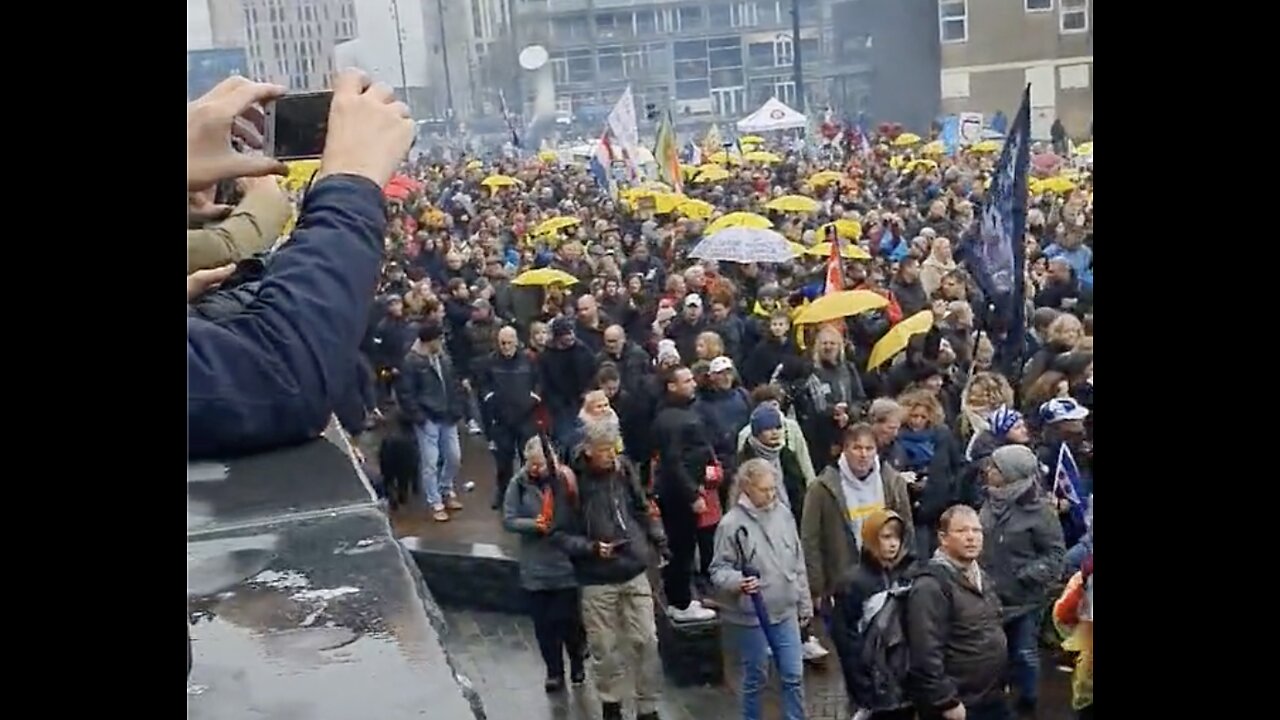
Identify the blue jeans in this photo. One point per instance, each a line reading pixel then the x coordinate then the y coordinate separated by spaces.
pixel 753 658
pixel 1023 634
pixel 1074 559
pixel 441 454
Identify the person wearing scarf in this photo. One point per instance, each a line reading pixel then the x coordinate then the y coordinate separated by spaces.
pixel 1023 555
pixel 767 442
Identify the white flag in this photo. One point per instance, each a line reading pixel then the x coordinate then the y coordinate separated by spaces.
pixel 622 122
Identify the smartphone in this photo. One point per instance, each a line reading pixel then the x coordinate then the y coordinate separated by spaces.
pixel 297 126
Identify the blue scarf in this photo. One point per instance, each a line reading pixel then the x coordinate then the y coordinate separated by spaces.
pixel 918 447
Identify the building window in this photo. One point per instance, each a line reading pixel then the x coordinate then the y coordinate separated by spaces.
pixel 689 18
pixel 953 20
pixel 1038 5
pixel 1073 16
pixel 744 14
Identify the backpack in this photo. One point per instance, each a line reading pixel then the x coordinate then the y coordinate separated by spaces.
pixel 884 648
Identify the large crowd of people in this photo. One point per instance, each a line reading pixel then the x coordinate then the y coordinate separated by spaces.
pixel 839 451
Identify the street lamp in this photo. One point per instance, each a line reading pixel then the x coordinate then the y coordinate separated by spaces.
pixel 404 80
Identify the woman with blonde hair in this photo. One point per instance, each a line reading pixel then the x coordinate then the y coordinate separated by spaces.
pixel 758 552
pixel 708 346
pixel 933 464
pixel 984 392
pixel 938 264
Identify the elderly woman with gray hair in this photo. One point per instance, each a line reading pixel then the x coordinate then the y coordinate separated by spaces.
pixel 758 552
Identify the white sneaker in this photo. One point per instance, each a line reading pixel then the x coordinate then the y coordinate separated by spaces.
pixel 473 427
pixel 813 650
pixel 693 613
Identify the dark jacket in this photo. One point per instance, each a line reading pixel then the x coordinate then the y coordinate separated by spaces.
pixel 391 340
pixel 606 507
pixel 1023 552
pixel 865 580
pixel 767 355
pixel 683 442
pixel 685 335
pixel 482 339
pixel 426 395
pixel 726 412
pixel 956 635
pixel 633 365
pixel 271 375
pixel 732 330
pixel 507 386
pixel 543 564
pixel 566 376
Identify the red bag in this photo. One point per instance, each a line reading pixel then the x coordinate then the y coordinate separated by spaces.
pixel 711 496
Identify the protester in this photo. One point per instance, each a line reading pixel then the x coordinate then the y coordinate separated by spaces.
pixel 508 383
pixel 1023 560
pixel 545 570
pixel 431 395
pixel 606 529
pixel 873 648
pixel 956 643
pixel 757 553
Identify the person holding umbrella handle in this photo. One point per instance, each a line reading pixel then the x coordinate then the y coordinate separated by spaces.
pixel 758 572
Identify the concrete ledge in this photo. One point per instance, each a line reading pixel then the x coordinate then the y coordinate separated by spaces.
pixel 297 592
pixel 692 654
pixel 472 576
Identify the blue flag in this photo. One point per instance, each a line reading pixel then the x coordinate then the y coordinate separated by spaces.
pixel 996 253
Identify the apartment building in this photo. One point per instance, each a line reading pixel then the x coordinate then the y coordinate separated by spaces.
pixel 289 42
pixel 991 50
pixel 423 48
pixel 704 59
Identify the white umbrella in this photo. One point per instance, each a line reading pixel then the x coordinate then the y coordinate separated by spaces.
pixel 744 245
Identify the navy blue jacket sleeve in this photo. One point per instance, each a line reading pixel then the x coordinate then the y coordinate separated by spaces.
pixel 272 374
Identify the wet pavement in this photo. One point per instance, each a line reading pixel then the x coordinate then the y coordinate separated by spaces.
pixel 300 603
pixel 497 653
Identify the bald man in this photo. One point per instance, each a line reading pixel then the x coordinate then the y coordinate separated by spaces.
pixel 508 387
pixel 632 361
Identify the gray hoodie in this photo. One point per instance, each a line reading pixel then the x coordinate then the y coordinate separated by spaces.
pixel 771 545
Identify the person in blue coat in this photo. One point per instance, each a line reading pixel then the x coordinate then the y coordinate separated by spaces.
pixel 271 375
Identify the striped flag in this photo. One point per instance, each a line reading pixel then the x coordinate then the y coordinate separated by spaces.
pixel 1066 483
pixel 835 267
pixel 601 163
pixel 667 153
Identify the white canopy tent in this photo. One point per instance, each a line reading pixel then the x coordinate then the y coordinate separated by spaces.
pixel 773 115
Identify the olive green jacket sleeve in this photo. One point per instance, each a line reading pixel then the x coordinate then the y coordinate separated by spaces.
pixel 252 227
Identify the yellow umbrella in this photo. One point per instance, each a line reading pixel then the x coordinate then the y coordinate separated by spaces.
pixel 688 170
pixel 840 305
pixel 847 229
pixel 475 165
pixel 555 224
pixel 721 157
pixel 1084 148
pixel 826 177
pixel 934 148
pixel 548 156
pixel 916 164
pixel 753 139
pixel 300 172
pixel 895 341
pixel 848 251
pixel 696 209
pixel 797 248
pixel 906 139
pixel 985 146
pixel 896 162
pixel 493 182
pixel 793 203
pixel 544 276
pixel 762 156
pixel 667 202
pixel 739 219
pixel 1057 185
pixel 715 174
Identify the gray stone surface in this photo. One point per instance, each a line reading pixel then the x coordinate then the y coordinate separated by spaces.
pixel 301 605
pixel 498 654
